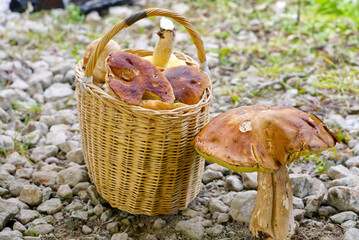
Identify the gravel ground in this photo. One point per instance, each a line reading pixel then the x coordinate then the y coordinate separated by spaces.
pixel 45 191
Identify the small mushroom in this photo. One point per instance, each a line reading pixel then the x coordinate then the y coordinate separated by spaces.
pixel 133 79
pixel 188 83
pixel 265 139
pixel 99 72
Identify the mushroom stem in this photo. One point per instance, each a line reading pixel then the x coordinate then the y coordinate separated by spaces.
pixel 164 46
pixel 283 219
pixel 272 215
pixel 261 219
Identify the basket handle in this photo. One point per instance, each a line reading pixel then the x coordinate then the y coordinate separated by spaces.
pixel 128 21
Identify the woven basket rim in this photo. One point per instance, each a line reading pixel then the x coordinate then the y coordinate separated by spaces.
pixel 117 103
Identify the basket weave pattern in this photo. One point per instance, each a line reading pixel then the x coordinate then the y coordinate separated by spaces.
pixel 141 160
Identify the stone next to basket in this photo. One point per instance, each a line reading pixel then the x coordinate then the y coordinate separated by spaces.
pixel 264 140
pixel 139 81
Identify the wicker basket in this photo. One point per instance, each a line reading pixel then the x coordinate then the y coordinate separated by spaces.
pixel 141 160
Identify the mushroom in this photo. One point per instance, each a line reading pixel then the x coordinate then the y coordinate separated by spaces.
pixel 265 139
pixel 162 55
pixel 133 79
pixel 99 72
pixel 188 83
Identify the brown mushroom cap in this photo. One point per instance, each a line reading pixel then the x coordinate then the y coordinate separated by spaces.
pixel 188 83
pixel 130 77
pixel 262 138
pixel 99 72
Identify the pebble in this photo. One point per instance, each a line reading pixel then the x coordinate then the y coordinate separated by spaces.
pixel 16 159
pixel 216 205
pixel 72 176
pixel 159 223
pixel 6 143
pixel 26 215
pixel 64 192
pixel 98 209
pixel 352 162
pixel 80 214
pixel 43 152
pixel 8 210
pixel 45 178
pixel 19 227
pixel 249 180
pixel 351 234
pixel 344 216
pixel 233 183
pixel 215 231
pixel 191 228
pixel 40 229
pixel 338 171
pixel 326 211
pixel 223 218
pixel 120 236
pixel 242 206
pixel 86 230
pixel 301 184
pixel 112 227
pixel 31 195
pixel 209 175
pixel 351 181
pixel 10 235
pixel 50 206
pixel 349 224
pixel 344 198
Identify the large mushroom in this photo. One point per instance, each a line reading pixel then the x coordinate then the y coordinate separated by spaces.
pixel 133 79
pixel 265 139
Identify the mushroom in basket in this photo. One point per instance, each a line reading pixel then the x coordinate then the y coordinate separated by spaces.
pixel 265 139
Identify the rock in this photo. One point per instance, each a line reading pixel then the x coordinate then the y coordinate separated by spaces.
pixel 350 181
pixel 43 152
pixel 76 204
pixel 242 205
pixel 351 234
pixel 112 227
pixel 250 180
pixel 3 191
pixel 57 138
pixel 5 179
pixel 61 117
pixel 222 218
pixel 120 236
pixel 106 215
pixel 86 230
pixel 216 205
pixel 93 17
pixel 98 210
pixel 64 192
pixel 80 214
pixel 32 138
pixel 10 235
pixel 16 159
pixel 191 228
pixel 40 229
pixel 34 126
pixel 76 156
pixel 82 186
pixel 25 173
pixel 189 212
pixel 326 211
pixel 61 68
pixel 349 224
pixel 19 227
pixel 50 206
pixel 298 203
pixel 44 78
pixel 159 223
pixel 215 231
pixel 20 204
pixel 338 171
pixel 9 168
pixel 8 210
pixel 298 214
pixel 4 116
pixel 313 202
pixel 233 183
pixel 227 198
pixel 31 195
pixel 151 237
pixel 317 187
pixel 68 146
pixel 352 162
pixel 17 185
pixel 209 175
pixel 72 176
pixel 25 216
pixel 300 184
pixel 6 143
pixel 45 178
pixel 344 216
pixel 344 198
